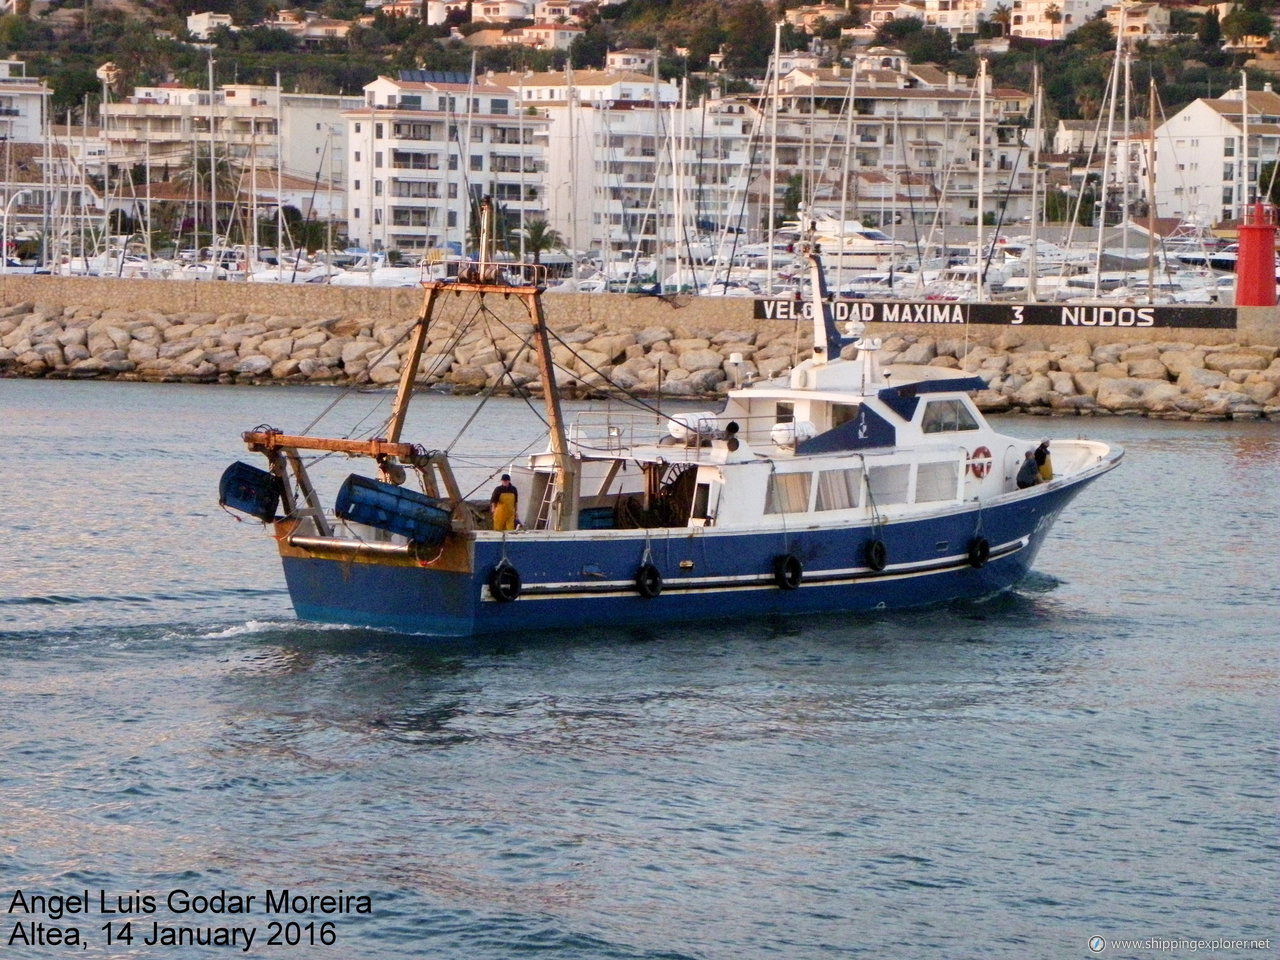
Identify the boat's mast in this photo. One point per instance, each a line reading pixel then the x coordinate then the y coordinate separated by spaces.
pixel 826 338
pixel 409 369
pixel 566 511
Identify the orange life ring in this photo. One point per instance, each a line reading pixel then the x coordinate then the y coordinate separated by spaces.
pixel 980 462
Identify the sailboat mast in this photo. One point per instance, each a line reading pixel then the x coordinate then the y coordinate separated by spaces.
pixel 213 182
pixel 1125 158
pixel 1032 253
pixel 1242 194
pixel 982 168
pixel 1151 192
pixel 849 157
pixel 773 149
pixel 1113 91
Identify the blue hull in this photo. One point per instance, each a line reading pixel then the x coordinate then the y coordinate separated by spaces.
pixel 589 577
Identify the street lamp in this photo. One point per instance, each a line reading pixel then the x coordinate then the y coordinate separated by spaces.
pixel 4 232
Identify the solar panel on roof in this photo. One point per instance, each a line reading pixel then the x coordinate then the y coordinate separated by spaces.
pixel 434 76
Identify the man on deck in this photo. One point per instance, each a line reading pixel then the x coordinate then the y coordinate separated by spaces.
pixel 503 504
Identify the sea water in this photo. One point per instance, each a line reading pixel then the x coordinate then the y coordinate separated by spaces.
pixel 1092 755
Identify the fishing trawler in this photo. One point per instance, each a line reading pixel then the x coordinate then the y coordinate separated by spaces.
pixel 840 486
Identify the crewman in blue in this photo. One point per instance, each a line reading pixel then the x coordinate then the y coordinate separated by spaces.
pixel 1029 472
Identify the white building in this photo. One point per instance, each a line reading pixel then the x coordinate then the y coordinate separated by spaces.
pixel 160 125
pixel 912 149
pixel 200 25
pixel 309 29
pixel 544 36
pixel 557 11
pixel 1051 19
pixel 24 104
pixel 290 137
pixel 1139 21
pixel 1202 166
pixel 630 169
pixel 500 11
pixel 955 16
pixel 421 153
pixel 631 60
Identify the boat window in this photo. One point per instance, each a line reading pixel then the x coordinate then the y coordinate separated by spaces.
pixel 937 481
pixel 947 416
pixel 786 412
pixel 889 484
pixel 838 489
pixel 701 497
pixel 842 413
pixel 788 493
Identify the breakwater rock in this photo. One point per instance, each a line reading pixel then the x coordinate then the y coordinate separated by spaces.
pixel 469 353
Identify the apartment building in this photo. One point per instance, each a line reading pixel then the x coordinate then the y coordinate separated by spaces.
pixel 628 166
pixel 1148 22
pixel 1210 155
pixel 24 104
pixel 257 126
pixel 912 148
pixel 1051 19
pixel 544 36
pixel 423 148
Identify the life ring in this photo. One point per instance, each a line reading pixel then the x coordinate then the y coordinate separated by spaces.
pixel 648 581
pixel 979 552
pixel 877 555
pixel 980 462
pixel 504 582
pixel 788 571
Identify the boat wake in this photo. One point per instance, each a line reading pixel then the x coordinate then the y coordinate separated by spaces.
pixel 58 599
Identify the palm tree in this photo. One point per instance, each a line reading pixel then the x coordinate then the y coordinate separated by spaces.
pixel 200 171
pixel 540 238
pixel 1053 13
pixel 1003 15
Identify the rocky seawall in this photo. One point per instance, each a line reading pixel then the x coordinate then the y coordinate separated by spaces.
pixel 485 350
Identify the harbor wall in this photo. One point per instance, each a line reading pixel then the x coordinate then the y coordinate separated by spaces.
pixel 76 327
pixel 1255 325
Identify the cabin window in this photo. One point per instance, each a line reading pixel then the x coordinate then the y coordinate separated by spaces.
pixel 788 493
pixel 842 413
pixel 838 489
pixel 786 412
pixel 889 484
pixel 947 416
pixel 937 481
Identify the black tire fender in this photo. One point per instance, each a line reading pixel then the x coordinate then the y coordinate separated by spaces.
pixel 979 552
pixel 504 582
pixel 788 571
pixel 648 581
pixel 876 554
